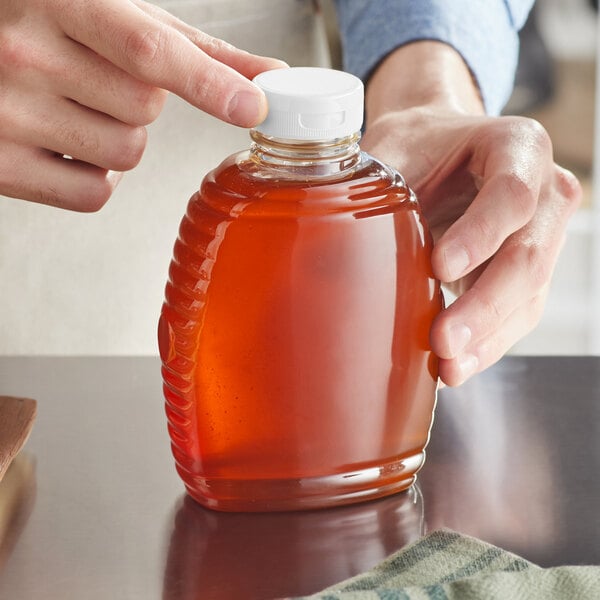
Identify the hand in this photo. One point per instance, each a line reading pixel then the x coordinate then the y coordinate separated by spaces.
pixel 495 201
pixel 498 206
pixel 80 80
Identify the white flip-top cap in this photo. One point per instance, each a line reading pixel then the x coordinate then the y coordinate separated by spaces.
pixel 311 103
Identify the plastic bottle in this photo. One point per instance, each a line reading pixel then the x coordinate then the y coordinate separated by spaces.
pixel 294 334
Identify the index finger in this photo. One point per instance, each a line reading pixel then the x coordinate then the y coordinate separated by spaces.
pixel 242 61
pixel 159 54
pixel 512 167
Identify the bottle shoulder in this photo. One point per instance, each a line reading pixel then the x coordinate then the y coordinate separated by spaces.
pixel 240 184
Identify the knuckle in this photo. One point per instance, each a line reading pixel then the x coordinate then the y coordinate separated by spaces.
pixel 532 133
pixel 535 310
pixel 129 149
pixel 143 47
pixel 95 197
pixel 147 106
pixel 490 308
pixel 533 260
pixel 522 196
pixel 76 140
pixel 539 268
pixel 485 231
pixel 206 88
pixel 569 187
pixel 89 198
pixel 15 51
pixel 123 153
pixel 200 87
pixel 214 46
pixel 50 197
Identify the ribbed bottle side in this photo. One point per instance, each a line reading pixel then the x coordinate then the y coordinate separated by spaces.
pixel 180 325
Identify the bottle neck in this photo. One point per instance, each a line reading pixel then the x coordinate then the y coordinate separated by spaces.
pixel 304 159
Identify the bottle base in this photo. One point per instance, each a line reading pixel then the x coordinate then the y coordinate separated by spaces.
pixel 269 495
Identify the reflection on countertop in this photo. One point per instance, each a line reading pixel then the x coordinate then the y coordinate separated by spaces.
pixel 219 556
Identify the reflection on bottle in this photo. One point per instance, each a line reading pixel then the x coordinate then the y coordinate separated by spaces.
pixel 17 497
pixel 220 556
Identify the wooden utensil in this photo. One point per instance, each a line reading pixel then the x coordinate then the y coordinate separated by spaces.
pixel 16 419
pixel 17 497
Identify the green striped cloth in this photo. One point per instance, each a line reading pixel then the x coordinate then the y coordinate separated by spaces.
pixel 445 565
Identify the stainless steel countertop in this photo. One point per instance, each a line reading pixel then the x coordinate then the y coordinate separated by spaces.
pixel 513 459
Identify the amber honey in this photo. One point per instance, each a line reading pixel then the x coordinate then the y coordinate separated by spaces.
pixel 295 338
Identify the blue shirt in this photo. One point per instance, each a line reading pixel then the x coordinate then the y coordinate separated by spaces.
pixel 484 32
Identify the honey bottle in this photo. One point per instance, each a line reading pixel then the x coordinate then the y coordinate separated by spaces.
pixel 294 335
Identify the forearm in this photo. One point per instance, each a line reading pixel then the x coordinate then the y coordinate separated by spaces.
pixel 423 73
pixel 485 34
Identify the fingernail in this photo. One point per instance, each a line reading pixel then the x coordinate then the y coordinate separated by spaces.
pixel 246 109
pixel 276 63
pixel 467 364
pixel 457 260
pixel 460 336
pixel 114 178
